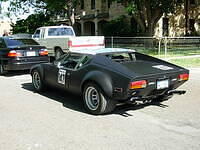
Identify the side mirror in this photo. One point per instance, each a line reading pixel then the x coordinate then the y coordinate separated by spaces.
pixel 59 65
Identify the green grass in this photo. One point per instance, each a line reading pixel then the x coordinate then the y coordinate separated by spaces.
pixel 175 51
pixel 171 51
pixel 188 62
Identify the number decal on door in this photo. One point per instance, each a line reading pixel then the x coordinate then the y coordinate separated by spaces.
pixel 61 76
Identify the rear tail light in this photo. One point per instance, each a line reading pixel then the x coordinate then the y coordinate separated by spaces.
pixel 138 84
pixel 69 43
pixel 13 53
pixel 43 52
pixel 183 77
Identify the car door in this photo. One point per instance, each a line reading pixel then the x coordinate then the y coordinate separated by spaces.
pixel 59 73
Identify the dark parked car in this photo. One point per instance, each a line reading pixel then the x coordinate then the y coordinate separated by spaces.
pixel 20 54
pixel 107 76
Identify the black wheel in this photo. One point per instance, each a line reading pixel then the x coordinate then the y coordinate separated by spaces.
pixel 95 100
pixel 37 81
pixel 2 70
pixel 58 53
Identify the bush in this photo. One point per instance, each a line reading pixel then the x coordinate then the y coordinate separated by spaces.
pixel 117 27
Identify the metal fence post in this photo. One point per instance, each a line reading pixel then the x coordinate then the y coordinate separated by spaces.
pixel 165 47
pixel 159 45
pixel 112 41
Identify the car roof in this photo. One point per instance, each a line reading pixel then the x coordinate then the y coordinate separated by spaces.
pixel 62 26
pixel 103 51
pixel 15 37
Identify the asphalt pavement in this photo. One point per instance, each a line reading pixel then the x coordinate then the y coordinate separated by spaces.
pixel 57 121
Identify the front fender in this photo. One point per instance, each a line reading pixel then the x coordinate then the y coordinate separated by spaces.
pixel 100 78
pixel 39 68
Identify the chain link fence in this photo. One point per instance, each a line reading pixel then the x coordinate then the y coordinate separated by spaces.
pixel 163 47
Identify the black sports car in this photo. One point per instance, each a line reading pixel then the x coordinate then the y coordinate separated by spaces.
pixel 20 54
pixel 107 76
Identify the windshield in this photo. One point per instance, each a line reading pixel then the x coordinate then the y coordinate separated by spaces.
pixel 20 42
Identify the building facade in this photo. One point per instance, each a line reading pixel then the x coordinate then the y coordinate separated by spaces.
pixel 93 14
pixel 185 21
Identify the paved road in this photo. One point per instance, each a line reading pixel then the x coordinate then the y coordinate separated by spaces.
pixel 57 121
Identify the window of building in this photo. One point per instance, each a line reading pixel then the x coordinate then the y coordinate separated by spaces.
pixel 92 4
pixel 179 1
pixel 191 25
pixel 109 3
pixel 165 26
pixel 82 4
pixel 192 2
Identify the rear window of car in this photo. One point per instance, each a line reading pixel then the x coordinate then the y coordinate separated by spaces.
pixel 121 57
pixel 20 42
pixel 60 32
pixel 2 43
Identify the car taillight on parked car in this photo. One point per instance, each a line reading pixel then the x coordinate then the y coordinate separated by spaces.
pixel 43 52
pixel 183 77
pixel 138 84
pixel 13 53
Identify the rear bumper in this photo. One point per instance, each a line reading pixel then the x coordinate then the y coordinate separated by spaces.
pixel 167 95
pixel 150 93
pixel 24 64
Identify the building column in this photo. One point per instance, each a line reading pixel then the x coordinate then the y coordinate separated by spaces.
pixel 96 26
pixel 82 28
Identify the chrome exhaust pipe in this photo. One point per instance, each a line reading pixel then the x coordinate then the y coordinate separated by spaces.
pixel 179 92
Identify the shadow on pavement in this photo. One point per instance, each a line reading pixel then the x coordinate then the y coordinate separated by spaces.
pixel 75 102
pixel 16 73
pixel 68 100
pixel 123 109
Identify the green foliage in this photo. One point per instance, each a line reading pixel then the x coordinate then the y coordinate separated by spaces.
pixel 53 7
pixel 148 12
pixel 31 23
pixel 117 27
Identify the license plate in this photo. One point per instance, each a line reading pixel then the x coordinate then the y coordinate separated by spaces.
pixel 162 84
pixel 30 53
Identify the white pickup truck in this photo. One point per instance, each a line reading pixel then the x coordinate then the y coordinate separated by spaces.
pixel 60 39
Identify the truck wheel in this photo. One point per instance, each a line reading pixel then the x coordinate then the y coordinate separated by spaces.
pixel 37 81
pixel 95 100
pixel 2 70
pixel 58 53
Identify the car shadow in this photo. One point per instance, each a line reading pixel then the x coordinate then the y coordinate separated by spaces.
pixel 125 108
pixel 16 73
pixel 68 100
pixel 75 102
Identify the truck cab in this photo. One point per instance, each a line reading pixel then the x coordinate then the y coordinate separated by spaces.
pixel 61 39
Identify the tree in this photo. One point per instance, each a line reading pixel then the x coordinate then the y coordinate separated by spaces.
pixel 52 7
pixel 30 24
pixel 117 27
pixel 148 12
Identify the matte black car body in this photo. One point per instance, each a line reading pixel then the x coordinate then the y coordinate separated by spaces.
pixel 15 54
pixel 113 74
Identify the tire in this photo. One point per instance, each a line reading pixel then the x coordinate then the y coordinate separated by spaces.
pixel 95 101
pixel 58 53
pixel 2 70
pixel 37 82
